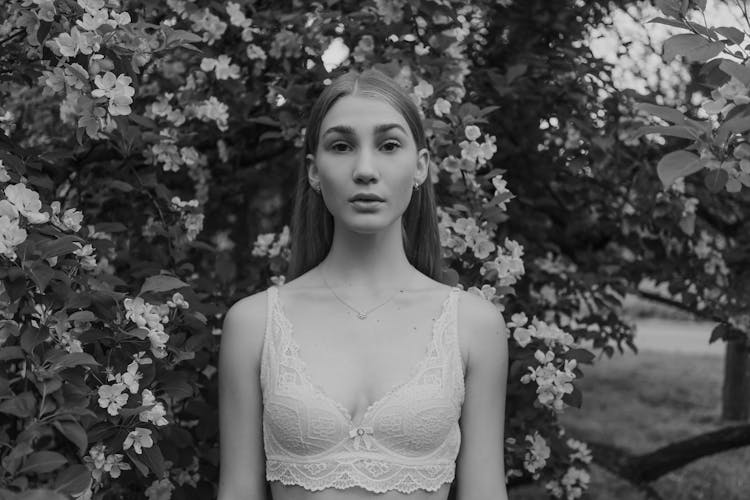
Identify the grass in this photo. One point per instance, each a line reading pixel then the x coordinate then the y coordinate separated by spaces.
pixel 642 402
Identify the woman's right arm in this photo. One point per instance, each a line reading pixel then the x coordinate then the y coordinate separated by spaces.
pixel 242 458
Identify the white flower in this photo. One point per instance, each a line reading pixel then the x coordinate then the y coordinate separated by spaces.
pixel 472 132
pixel 441 107
pixel 72 219
pixel 522 336
pixel 27 202
pixel 11 235
pixel 582 451
pixel 518 319
pixel 4 177
pixel 112 397
pixel 139 438
pixel 178 300
pixel 117 89
pixel 160 489
pixel 538 453
pixel 423 89
pixel 236 16
pixel 156 414
pixel 93 20
pixel 221 66
pixel 91 5
pixel 121 19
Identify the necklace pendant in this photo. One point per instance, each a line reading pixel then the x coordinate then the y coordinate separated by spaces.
pixel 361 315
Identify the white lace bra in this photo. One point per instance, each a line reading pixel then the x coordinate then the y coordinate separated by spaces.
pixel 406 440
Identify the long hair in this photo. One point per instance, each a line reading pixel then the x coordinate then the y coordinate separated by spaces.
pixel 312 223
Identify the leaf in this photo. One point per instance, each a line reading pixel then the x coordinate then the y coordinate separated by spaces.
pixel 11 352
pixel 82 316
pixel 668 22
pixel 21 406
pixel 153 458
pixel 581 355
pixel 664 112
pixel 75 433
pixel 671 130
pixel 39 494
pixel 687 224
pixel 574 398
pixel 694 48
pixel 60 246
pixel 43 461
pixel 677 164
pixel 715 180
pixel 718 333
pixel 75 359
pixel 41 273
pixel 73 480
pixel 732 33
pixel 735 125
pixel 9 327
pixel 671 8
pixel 161 283
pixel 737 70
pixel 142 468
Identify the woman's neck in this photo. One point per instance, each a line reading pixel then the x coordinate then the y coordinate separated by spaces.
pixel 368 261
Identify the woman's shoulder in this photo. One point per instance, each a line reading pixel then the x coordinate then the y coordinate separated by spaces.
pixel 245 322
pixel 481 324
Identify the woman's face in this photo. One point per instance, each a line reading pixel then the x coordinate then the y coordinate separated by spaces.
pixel 365 146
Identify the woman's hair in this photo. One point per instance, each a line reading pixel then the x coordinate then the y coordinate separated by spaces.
pixel 312 223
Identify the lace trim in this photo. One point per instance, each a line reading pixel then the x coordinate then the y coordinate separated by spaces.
pixel 289 351
pixel 405 479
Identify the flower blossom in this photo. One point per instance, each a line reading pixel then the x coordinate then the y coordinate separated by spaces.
pixel 156 414
pixel 441 107
pixel 112 397
pixel 138 438
pixel 221 66
pixel 26 201
pixel 537 454
pixel 117 89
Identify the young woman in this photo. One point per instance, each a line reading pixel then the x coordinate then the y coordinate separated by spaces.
pixel 363 376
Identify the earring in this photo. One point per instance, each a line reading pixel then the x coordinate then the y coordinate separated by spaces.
pixel 315 187
pixel 416 186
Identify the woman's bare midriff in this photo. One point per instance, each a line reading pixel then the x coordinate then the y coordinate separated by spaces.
pixel 289 492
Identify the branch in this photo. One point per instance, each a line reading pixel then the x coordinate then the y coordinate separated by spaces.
pixel 677 305
pixel 640 469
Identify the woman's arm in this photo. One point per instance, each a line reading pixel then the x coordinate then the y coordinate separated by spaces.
pixel 242 467
pixel 480 466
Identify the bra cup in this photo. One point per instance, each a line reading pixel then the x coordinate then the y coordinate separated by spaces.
pixel 409 432
pixel 302 430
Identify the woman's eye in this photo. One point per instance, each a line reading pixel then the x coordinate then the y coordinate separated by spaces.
pixel 391 146
pixel 340 147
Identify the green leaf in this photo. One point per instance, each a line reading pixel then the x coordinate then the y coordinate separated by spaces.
pixel 137 461
pixel 73 480
pixel 161 283
pixel 153 458
pixel 664 112
pixel 75 359
pixel 694 48
pixel 22 406
pixel 41 273
pixel 732 33
pixel 671 8
pixel 677 164
pixel 737 70
pixel 671 130
pixel 40 494
pixel 735 125
pixel 581 355
pixel 668 22
pixel 574 398
pixel 75 433
pixel 60 246
pixel 11 352
pixel 82 316
pixel 715 180
pixel 43 461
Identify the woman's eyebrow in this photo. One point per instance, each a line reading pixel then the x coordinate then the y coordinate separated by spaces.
pixel 347 130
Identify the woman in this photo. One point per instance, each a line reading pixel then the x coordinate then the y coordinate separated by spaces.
pixel 349 380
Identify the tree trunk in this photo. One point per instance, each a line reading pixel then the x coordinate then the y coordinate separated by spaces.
pixel 736 392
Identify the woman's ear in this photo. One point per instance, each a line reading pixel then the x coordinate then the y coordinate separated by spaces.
pixel 312 169
pixel 423 166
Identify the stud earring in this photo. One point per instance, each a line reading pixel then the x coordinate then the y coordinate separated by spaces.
pixel 416 186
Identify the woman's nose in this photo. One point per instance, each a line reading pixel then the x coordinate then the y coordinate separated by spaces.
pixel 365 167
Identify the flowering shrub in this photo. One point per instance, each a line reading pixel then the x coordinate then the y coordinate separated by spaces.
pixel 144 165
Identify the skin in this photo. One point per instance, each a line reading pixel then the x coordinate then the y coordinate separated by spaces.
pixel 365 146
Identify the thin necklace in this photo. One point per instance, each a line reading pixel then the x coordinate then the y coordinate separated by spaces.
pixel 360 314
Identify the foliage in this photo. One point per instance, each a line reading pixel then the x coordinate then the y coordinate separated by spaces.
pixel 130 125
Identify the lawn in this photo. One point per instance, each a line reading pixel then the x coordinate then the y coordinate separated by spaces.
pixel 644 401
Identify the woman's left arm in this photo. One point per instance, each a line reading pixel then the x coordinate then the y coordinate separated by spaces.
pixel 480 469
